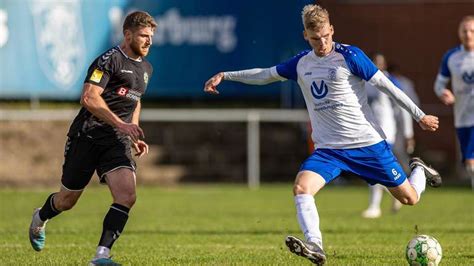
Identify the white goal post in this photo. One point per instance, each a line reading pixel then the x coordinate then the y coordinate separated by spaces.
pixel 252 117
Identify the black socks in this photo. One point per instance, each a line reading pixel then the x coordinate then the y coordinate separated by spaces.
pixel 113 225
pixel 48 210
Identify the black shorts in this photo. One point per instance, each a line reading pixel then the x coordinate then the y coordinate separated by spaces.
pixel 83 156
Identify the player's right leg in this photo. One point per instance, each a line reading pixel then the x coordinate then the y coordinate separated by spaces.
pixel 54 205
pixel 307 184
pixel 78 168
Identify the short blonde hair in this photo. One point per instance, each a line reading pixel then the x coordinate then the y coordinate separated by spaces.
pixel 466 19
pixel 314 17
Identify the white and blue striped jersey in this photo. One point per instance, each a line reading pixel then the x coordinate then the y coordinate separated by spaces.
pixel 457 65
pixel 333 87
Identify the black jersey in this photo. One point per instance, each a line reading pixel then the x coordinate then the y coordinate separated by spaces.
pixel 124 81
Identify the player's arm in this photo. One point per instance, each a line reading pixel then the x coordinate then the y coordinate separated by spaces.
pixel 444 75
pixel 140 146
pixel 380 81
pixel 136 113
pixel 92 100
pixel 408 132
pixel 255 76
pixel 444 94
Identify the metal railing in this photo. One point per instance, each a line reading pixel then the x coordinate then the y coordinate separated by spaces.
pixel 252 117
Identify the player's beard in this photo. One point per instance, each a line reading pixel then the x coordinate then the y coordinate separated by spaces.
pixel 139 50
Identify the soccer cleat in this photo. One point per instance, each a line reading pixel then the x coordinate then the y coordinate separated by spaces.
pixel 432 176
pixel 308 250
pixel 37 233
pixel 372 213
pixel 104 261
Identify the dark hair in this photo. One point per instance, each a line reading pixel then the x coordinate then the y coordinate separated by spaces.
pixel 139 19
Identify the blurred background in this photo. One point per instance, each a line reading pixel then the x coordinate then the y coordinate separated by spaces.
pixel 247 133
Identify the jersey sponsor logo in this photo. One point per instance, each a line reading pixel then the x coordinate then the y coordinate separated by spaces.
pixel 122 91
pixel 129 93
pixel 145 77
pixel 96 75
pixel 468 77
pixel 319 92
pixel 308 73
pixel 126 71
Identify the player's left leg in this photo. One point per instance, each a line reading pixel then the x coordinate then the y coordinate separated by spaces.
pixel 409 192
pixel 122 183
pixel 406 193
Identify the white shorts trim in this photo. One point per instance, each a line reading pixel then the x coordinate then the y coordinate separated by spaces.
pixel 118 167
pixel 74 190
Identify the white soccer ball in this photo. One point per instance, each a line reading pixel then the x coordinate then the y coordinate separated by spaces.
pixel 423 250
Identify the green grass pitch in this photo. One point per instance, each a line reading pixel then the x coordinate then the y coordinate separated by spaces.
pixel 232 225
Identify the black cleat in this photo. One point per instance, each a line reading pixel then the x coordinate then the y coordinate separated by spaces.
pixel 432 176
pixel 309 250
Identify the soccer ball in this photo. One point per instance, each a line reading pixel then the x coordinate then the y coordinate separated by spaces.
pixel 423 250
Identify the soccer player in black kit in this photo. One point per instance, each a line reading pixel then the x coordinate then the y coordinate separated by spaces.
pixel 103 133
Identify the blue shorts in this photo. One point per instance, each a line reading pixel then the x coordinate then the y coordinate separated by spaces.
pixel 466 140
pixel 375 164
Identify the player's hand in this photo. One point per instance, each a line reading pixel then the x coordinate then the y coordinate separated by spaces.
pixel 211 84
pixel 429 122
pixel 447 97
pixel 141 148
pixel 131 130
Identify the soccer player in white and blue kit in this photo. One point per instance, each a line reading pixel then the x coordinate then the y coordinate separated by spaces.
pixel 394 121
pixel 458 66
pixel 346 135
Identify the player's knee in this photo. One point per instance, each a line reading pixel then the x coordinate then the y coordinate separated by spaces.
pixel 127 199
pixel 301 189
pixel 409 200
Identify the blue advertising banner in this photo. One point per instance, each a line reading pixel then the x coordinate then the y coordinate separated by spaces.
pixel 46 46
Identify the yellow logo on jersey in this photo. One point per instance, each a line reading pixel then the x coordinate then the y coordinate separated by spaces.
pixel 96 75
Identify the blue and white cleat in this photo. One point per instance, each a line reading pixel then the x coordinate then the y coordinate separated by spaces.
pixel 37 233
pixel 104 261
pixel 311 251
